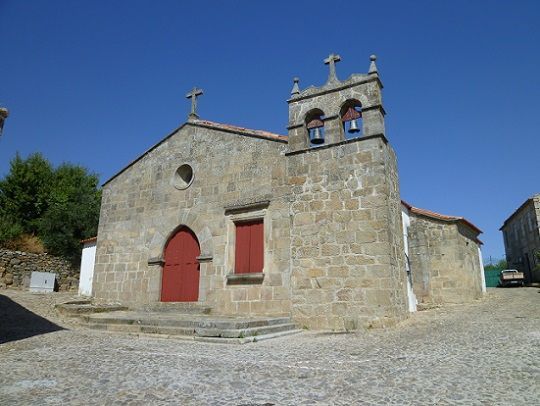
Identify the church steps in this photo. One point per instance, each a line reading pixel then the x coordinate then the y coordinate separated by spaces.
pixel 85 307
pixel 155 319
pixel 190 325
pixel 247 339
pixel 175 307
pixel 199 332
pixel 239 333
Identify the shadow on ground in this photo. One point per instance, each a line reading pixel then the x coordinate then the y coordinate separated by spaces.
pixel 17 322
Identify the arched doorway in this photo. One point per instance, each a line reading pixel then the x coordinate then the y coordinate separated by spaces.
pixel 180 279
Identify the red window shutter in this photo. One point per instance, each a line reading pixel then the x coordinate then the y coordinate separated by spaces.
pixel 242 248
pixel 256 247
pixel 249 252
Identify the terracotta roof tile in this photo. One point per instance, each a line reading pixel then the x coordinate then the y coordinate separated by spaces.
pixel 239 130
pixel 438 216
pixel 92 239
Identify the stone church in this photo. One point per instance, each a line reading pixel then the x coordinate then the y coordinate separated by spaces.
pixel 251 223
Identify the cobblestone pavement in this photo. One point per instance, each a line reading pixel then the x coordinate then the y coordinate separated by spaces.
pixel 486 353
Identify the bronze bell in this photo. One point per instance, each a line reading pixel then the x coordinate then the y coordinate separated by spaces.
pixel 317 136
pixel 353 127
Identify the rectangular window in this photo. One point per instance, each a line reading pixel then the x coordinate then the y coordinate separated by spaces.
pixel 249 252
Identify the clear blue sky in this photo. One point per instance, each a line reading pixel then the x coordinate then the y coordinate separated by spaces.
pixel 98 82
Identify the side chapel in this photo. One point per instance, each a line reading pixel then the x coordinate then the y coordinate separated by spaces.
pixel 252 223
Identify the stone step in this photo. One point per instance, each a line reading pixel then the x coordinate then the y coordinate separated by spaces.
pixel 198 332
pixel 139 328
pixel 175 307
pixel 241 333
pixel 79 301
pixel 248 339
pixel 181 320
pixel 189 336
pixel 71 309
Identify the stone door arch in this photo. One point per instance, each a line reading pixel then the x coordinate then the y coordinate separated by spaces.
pixel 180 278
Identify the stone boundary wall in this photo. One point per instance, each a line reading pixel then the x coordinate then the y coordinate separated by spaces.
pixel 16 268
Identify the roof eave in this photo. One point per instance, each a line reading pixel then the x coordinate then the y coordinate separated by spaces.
pixel 143 154
pixel 441 217
pixel 530 199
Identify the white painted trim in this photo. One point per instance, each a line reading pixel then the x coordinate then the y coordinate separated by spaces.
pixel 406 222
pixel 86 275
pixel 482 275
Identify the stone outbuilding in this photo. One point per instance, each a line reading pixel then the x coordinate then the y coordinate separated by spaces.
pixel 252 223
pixel 444 257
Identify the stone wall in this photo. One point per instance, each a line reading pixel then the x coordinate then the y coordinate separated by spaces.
pixel 444 261
pixel 16 268
pixel 346 237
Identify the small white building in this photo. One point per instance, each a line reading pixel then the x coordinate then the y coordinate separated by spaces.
pixel 87 266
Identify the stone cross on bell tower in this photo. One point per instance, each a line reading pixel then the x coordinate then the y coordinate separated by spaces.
pixel 331 61
pixel 193 96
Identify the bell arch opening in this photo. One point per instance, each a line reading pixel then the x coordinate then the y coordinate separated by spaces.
pixel 351 119
pixel 314 123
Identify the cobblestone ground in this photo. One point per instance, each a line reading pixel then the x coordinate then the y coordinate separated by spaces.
pixel 486 353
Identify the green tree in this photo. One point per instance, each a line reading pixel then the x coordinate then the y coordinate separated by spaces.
pixel 24 194
pixel 60 206
pixel 10 228
pixel 73 211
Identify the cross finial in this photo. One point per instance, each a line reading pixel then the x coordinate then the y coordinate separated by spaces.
pixel 372 65
pixel 193 96
pixel 331 61
pixel 295 89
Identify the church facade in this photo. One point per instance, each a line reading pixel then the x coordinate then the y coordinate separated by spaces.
pixel 253 223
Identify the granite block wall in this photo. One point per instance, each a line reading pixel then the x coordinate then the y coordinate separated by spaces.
pixel 346 238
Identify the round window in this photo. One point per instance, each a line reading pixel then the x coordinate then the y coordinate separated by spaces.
pixel 183 177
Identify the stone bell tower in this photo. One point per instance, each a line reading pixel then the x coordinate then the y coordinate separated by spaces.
pixel 347 259
pixel 334 104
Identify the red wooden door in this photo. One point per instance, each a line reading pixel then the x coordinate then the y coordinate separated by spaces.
pixel 180 279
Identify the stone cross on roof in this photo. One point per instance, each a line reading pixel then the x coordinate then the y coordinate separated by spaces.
pixel 331 60
pixel 193 96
